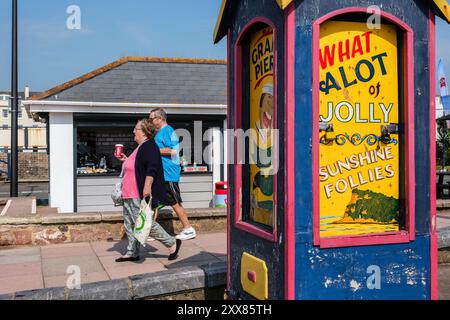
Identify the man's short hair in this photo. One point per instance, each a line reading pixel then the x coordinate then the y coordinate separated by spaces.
pixel 160 113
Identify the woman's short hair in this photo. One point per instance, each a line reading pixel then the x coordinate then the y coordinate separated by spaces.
pixel 148 128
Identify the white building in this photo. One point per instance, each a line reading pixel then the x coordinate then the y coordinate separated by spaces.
pixel 31 134
pixel 90 114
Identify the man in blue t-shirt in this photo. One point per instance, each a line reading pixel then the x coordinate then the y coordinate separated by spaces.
pixel 169 145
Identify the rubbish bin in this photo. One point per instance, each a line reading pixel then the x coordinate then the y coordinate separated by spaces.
pixel 221 192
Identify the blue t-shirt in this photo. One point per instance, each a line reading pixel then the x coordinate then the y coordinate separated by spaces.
pixel 167 138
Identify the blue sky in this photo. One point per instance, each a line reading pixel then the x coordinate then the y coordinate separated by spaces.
pixel 50 54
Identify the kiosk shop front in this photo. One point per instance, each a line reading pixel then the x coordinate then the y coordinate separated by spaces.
pixel 331 184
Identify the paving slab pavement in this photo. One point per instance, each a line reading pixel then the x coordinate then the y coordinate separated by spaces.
pixel 52 266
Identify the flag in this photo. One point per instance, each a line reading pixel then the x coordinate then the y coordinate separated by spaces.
pixel 446 104
pixel 442 79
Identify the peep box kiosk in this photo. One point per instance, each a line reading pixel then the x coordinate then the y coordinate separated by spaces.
pixel 332 157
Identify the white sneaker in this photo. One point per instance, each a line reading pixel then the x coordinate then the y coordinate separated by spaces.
pixel 187 234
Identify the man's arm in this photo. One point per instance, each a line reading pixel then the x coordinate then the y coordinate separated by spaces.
pixel 171 143
pixel 167 152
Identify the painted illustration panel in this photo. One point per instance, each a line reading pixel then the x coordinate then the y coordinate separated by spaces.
pixel 359 126
pixel 261 127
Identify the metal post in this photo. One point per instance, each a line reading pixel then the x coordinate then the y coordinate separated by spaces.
pixel 14 105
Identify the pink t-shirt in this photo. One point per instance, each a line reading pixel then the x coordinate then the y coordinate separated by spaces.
pixel 129 184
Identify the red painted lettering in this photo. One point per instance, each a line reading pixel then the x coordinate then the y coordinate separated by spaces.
pixel 367 36
pixel 357 47
pixel 345 53
pixel 327 57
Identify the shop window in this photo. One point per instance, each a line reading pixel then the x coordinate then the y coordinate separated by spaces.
pixel 363 148
pixel 256 130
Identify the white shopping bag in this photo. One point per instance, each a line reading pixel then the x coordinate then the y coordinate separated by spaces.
pixel 144 222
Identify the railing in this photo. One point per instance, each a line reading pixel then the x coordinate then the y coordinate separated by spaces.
pixel 6 172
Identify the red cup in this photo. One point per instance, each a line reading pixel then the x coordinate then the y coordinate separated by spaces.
pixel 118 150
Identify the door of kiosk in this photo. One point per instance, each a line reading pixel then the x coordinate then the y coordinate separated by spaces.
pixel 256 171
pixel 332 180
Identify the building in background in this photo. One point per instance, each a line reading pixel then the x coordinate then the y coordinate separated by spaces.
pixel 32 134
pixel 90 114
pixel 32 138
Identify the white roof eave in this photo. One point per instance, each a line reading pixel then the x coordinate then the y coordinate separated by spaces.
pixel 125 108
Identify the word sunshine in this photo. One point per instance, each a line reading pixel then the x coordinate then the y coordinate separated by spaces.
pixel 354 162
pixel 345 112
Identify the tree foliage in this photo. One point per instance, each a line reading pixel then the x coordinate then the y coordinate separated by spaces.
pixel 372 205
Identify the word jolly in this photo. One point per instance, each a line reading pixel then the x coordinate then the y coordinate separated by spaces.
pixel 345 112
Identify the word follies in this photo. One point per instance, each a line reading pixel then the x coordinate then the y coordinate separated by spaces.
pixel 349 178
pixel 262 55
pixel 363 70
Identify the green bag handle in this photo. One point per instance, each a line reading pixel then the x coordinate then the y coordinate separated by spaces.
pixel 142 216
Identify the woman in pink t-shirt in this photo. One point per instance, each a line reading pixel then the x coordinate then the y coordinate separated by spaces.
pixel 132 201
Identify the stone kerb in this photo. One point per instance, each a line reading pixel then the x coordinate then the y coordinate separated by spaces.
pixel 86 227
pixel 159 285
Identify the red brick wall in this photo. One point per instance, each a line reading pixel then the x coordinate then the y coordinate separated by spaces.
pixel 33 166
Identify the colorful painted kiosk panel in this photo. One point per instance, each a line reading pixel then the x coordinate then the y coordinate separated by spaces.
pixel 359 157
pixel 345 209
pixel 261 127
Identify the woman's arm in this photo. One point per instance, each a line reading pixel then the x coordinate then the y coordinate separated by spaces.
pixel 150 159
pixel 148 186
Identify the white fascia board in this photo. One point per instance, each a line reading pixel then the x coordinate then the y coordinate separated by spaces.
pixel 133 108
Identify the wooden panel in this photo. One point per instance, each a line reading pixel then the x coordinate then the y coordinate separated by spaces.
pixel 196 178
pixel 94 200
pixel 94 190
pixel 94 193
pixel 195 187
pixel 196 205
pixel 97 181
pixel 197 196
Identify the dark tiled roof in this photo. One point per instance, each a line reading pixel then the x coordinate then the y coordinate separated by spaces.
pixel 148 80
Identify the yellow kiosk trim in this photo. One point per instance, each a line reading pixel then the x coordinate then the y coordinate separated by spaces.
pixel 283 4
pixel 443 9
pixel 254 277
